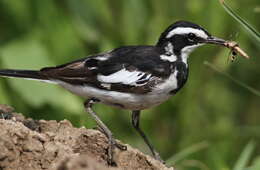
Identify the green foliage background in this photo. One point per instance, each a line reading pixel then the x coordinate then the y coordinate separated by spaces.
pixel 205 126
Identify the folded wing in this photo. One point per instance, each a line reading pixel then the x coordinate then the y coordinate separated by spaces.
pixel 120 70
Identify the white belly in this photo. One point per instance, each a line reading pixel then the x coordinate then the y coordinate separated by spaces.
pixel 160 93
pixel 119 99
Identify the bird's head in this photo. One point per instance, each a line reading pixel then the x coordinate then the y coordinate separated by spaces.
pixel 182 37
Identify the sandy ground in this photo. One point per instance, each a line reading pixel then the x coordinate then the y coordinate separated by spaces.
pixel 38 144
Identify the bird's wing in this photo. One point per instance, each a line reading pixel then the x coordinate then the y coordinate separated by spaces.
pixel 127 69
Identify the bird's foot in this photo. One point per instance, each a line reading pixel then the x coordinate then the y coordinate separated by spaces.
pixel 156 156
pixel 113 141
pixel 120 146
pixel 112 144
pixel 5 115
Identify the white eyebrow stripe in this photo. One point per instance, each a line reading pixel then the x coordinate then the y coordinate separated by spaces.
pixel 185 30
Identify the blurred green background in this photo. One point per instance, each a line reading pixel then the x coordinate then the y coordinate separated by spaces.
pixel 207 125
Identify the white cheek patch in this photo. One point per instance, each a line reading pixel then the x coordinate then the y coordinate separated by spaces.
pixel 189 49
pixel 185 52
pixel 184 30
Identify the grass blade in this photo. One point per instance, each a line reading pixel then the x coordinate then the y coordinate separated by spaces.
pixel 245 24
pixel 186 152
pixel 244 157
pixel 251 89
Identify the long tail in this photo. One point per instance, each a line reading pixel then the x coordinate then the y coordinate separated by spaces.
pixel 25 74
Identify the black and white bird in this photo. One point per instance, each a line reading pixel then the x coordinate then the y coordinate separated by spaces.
pixel 129 77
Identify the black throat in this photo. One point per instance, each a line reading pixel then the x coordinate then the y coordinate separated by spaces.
pixel 182 74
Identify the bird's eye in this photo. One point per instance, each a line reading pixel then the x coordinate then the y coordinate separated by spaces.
pixel 191 36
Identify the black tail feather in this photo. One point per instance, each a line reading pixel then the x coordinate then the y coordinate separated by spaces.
pixel 23 74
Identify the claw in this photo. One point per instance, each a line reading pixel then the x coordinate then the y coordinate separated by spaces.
pixel 157 157
pixel 117 144
pixel 112 143
pixel 111 148
pixel 121 147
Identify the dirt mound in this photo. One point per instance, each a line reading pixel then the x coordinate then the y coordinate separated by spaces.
pixel 39 144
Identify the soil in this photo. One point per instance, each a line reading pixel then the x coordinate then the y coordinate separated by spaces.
pixel 28 144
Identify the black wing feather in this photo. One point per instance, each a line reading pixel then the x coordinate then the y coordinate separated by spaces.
pixel 133 58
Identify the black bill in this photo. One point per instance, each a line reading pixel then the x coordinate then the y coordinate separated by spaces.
pixel 215 40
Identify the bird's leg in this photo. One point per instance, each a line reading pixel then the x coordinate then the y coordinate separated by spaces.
pixel 118 145
pixel 5 115
pixel 112 142
pixel 135 123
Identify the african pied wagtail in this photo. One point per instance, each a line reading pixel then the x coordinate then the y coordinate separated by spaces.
pixel 130 77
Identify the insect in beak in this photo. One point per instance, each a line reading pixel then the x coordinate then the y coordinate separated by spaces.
pixel 232 45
